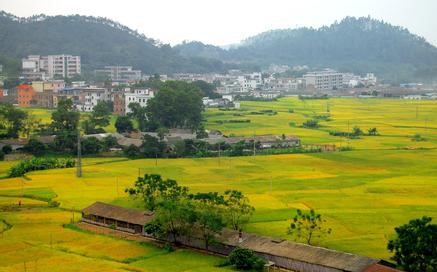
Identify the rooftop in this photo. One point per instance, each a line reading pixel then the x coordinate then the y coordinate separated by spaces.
pixel 119 213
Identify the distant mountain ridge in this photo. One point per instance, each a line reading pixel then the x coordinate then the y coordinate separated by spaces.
pixel 355 44
pixel 99 42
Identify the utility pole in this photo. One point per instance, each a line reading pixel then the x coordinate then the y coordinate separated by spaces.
pixel 348 133
pixel 156 159
pixel 79 156
pixel 254 150
pixel 116 184
pixel 219 149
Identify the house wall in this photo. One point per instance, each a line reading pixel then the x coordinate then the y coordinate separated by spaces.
pixel 25 97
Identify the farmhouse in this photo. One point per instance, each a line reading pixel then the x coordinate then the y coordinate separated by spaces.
pixel 283 253
pixel 123 219
pixel 266 141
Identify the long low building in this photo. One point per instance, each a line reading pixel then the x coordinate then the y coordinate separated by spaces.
pixel 116 217
pixel 282 253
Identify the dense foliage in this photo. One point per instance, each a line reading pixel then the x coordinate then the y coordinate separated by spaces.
pixel 245 259
pixel 45 35
pixel 415 245
pixel 178 213
pixel 35 164
pixel 12 121
pixel 357 45
pixel 65 121
pixel 177 105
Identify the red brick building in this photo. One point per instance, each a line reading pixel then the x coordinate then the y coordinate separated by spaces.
pixel 119 105
pixel 25 96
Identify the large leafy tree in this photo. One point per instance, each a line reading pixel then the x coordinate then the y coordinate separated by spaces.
pixel 174 217
pixel 209 212
pixel 101 114
pixel 124 124
pixel 415 245
pixel 153 190
pixel 307 225
pixel 177 104
pixel 152 147
pixel 65 122
pixel 139 114
pixel 237 209
pixel 12 120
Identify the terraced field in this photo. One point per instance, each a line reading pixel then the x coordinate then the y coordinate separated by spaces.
pixel 383 182
pixel 396 120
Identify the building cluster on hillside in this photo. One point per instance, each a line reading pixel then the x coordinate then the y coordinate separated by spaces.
pixel 45 85
pixel 46 94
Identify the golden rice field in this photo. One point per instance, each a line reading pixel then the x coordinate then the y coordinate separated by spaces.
pixel 383 182
pixel 396 120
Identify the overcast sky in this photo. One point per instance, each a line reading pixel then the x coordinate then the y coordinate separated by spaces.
pixel 223 22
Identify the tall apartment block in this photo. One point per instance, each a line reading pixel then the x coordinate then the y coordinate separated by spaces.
pixel 123 74
pixel 324 80
pixel 51 66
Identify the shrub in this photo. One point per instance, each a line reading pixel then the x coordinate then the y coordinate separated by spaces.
pixel 313 123
pixel 54 203
pixel 417 138
pixel 35 164
pixel 132 151
pixel 245 259
pixel 7 149
pixel 2 155
pixel 91 145
pixel 35 147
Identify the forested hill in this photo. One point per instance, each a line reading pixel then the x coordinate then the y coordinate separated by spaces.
pixel 354 44
pixel 99 42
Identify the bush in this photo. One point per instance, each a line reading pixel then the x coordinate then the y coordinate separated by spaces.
pixel 35 147
pixel 245 259
pixel 313 123
pixel 132 151
pixel 54 203
pixel 36 164
pixel 2 155
pixel 124 124
pixel 91 145
pixel 417 138
pixel 7 149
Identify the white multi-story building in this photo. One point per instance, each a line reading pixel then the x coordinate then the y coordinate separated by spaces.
pixel 324 80
pixel 124 74
pixel 140 96
pixel 250 82
pixel 90 96
pixel 49 67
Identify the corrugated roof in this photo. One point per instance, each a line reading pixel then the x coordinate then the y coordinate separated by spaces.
pixel 300 252
pixel 380 268
pixel 119 213
pixel 261 244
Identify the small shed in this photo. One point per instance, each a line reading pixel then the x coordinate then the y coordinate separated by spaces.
pixel 116 217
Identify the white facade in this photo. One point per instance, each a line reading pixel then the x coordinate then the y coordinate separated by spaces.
pixel 324 80
pixel 140 96
pixel 250 82
pixel 91 96
pixel 48 67
pixel 120 73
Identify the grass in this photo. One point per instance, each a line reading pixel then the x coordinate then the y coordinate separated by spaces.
pixel 363 194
